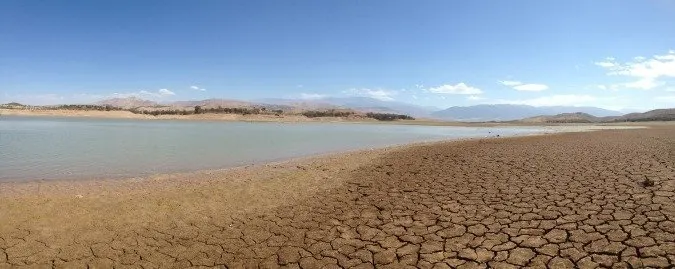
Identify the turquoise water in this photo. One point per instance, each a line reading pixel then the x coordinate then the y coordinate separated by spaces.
pixel 35 148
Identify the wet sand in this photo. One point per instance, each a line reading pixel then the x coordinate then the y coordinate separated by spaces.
pixel 562 200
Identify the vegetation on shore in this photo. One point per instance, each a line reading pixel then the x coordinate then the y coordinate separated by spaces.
pixel 158 110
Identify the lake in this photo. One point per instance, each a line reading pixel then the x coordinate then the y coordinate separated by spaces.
pixel 37 148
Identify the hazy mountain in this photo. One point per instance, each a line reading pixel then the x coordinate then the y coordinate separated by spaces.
pixel 299 104
pixel 129 102
pixel 653 115
pixel 364 104
pixel 578 117
pixel 213 103
pixel 506 112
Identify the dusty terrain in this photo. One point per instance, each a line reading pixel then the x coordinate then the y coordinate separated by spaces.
pixel 562 201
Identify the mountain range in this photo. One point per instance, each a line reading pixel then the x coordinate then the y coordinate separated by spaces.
pixel 507 112
pixel 652 115
pixel 496 112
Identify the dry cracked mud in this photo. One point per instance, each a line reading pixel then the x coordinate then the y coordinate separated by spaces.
pixel 572 200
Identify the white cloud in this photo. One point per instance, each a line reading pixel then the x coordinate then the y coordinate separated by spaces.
pixel 143 94
pixel 310 96
pixel 607 63
pixel 671 89
pixel 165 92
pixel 459 88
pixel 520 86
pixel 645 72
pixel 554 100
pixel 85 98
pixel 474 98
pixel 510 82
pixel 642 84
pixel 197 88
pixel 380 94
pixel 665 99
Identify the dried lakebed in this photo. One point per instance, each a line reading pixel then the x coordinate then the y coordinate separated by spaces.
pixel 560 201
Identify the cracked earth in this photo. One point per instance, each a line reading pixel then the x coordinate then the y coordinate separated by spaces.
pixel 572 200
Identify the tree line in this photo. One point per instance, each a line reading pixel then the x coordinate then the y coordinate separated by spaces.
pixel 327 113
pixel 226 110
pixel 213 110
pixel 339 113
pixel 388 116
pixel 87 107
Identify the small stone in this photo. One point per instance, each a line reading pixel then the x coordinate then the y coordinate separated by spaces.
pixel 484 255
pixel 560 263
pixel 385 257
pixel 548 249
pixel 478 229
pixel 408 249
pixel 533 242
pixel 431 246
pixel 520 256
pixel 506 246
pixel 468 254
pixel 617 235
pixel 640 242
pixel 556 236
pixel 655 262
pixel 587 262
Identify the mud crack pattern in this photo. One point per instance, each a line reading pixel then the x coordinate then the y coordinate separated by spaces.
pixel 562 201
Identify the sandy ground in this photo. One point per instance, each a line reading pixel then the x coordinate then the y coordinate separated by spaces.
pixel 562 201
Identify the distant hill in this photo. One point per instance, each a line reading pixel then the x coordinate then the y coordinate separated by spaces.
pixel 506 112
pixel 653 115
pixel 213 103
pixel 127 103
pixel 12 105
pixel 578 117
pixel 363 104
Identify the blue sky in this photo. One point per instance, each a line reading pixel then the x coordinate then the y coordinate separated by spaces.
pixel 614 54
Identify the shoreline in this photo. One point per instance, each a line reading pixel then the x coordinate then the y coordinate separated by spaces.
pixel 126 115
pixel 299 160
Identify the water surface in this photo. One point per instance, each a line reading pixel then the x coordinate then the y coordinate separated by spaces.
pixel 37 148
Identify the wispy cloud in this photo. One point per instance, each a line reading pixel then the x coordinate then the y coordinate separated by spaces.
pixel 646 73
pixel 665 99
pixel 510 82
pixel 520 86
pixel 459 88
pixel 312 96
pixel 85 98
pixel 161 93
pixel 554 100
pixel 380 94
pixel 197 88
pixel 158 95
pixel 165 92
